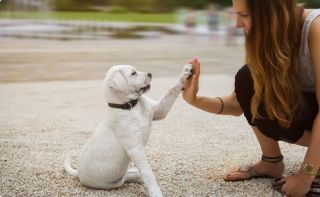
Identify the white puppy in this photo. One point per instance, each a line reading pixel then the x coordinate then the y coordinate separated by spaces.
pixel 124 132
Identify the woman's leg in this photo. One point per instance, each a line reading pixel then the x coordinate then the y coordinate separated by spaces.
pixel 305 139
pixel 269 148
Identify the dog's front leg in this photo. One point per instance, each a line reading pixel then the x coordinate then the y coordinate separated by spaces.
pixel 163 106
pixel 139 158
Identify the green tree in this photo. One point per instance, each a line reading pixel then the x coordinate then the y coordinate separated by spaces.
pixel 312 3
pixel 77 4
pixel 222 3
pixel 135 5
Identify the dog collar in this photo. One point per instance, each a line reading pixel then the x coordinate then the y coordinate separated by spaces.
pixel 128 105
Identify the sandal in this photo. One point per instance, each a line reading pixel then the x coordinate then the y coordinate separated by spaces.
pixel 314 191
pixel 251 171
pixel 277 184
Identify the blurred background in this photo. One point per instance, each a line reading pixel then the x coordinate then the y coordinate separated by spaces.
pixel 78 39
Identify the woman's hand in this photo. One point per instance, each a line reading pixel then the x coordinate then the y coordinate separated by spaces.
pixel 297 185
pixel 191 85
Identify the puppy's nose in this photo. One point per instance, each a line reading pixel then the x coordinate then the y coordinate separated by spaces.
pixel 150 75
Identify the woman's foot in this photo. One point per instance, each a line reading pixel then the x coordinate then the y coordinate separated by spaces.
pixel 261 169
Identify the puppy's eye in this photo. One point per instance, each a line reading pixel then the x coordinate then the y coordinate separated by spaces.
pixel 134 73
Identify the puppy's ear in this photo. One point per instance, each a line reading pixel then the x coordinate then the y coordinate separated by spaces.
pixel 116 81
pixel 111 83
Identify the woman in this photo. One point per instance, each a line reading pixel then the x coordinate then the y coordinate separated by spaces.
pixel 278 90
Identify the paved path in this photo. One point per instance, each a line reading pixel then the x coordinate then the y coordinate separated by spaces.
pixel 29 60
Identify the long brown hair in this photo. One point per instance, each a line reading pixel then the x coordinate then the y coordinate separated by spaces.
pixel 272 54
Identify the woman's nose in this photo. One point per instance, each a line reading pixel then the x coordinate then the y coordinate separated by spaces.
pixel 239 23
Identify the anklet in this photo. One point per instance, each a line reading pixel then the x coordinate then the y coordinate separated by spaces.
pixel 272 159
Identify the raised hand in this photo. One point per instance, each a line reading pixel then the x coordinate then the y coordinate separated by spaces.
pixel 191 85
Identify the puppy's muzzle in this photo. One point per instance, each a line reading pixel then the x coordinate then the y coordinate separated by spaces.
pixel 145 89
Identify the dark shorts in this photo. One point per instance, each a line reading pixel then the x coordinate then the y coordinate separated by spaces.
pixel 303 119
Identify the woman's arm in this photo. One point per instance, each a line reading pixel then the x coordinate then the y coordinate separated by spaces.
pixel 228 104
pixel 300 184
pixel 313 153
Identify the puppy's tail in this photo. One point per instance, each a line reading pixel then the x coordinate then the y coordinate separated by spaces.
pixel 68 168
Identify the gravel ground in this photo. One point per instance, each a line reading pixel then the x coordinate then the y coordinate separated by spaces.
pixel 189 151
pixel 54 100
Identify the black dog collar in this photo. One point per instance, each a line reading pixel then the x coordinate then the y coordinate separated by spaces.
pixel 128 105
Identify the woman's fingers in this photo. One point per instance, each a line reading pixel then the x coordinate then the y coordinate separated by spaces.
pixel 192 83
pixel 192 61
pixel 197 68
pixel 189 85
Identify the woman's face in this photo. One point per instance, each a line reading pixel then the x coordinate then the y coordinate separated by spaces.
pixel 243 15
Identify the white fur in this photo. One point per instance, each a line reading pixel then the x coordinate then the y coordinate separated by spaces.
pixel 122 135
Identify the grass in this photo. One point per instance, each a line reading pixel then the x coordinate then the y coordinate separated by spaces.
pixel 93 16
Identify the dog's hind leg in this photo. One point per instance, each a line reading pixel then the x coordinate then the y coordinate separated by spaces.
pixel 133 176
pixel 112 185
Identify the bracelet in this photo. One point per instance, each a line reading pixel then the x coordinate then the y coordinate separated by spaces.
pixel 309 169
pixel 222 105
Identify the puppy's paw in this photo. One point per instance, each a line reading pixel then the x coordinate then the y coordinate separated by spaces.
pixel 155 194
pixel 187 71
pixel 186 74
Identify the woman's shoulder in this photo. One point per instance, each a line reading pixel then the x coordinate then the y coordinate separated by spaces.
pixel 315 25
pixel 306 13
pixel 314 33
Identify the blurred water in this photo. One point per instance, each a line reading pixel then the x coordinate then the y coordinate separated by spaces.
pixel 70 30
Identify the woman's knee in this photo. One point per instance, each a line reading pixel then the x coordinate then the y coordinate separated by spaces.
pixel 244 84
pixel 244 91
pixel 305 139
pixel 243 79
